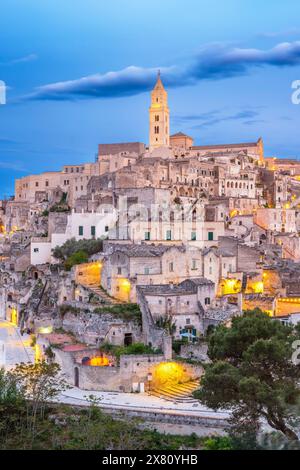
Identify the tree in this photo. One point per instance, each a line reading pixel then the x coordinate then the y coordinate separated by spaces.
pixel 11 404
pixel 39 383
pixel 76 258
pixel 72 246
pixel 252 373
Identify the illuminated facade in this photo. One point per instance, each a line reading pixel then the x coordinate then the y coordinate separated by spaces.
pixel 159 117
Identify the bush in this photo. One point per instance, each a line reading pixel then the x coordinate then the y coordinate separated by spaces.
pixel 76 258
pixel 125 311
pixel 177 343
pixel 65 308
pixel 218 443
pixel 72 246
pixel 136 348
pixel 59 208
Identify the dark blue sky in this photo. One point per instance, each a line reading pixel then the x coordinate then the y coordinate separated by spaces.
pixel 79 73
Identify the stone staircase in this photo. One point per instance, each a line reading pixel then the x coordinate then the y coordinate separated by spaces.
pixel 96 289
pixel 180 393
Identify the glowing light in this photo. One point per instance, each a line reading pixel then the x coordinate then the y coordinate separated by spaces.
pixel 99 361
pixel 37 353
pixel 269 312
pixel 45 330
pixel 14 316
pixel 230 286
pixel 125 284
pixel 258 287
pixel 169 372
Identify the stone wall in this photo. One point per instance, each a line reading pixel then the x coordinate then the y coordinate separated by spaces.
pixel 96 328
pixel 194 351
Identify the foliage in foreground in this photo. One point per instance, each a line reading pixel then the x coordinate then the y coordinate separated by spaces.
pixel 28 419
pixel 252 373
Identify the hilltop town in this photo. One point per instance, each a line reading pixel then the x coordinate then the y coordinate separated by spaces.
pixel 118 268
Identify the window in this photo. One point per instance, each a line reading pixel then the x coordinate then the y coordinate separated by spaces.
pixel 47 183
pixel 119 270
pixel 93 230
pixel 188 321
pixel 210 270
pixel 171 267
pixel 106 228
pixel 36 184
pixel 80 230
pixel 193 236
pixel 194 264
pixel 207 300
pixel 169 235
pixel 36 250
pixel 146 271
pixel 210 236
pixel 147 235
pixel 156 118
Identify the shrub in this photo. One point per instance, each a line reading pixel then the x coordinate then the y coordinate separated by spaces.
pixel 72 246
pixel 135 348
pixel 218 443
pixel 65 308
pixel 76 258
pixel 125 311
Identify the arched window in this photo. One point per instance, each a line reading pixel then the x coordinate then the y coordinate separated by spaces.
pixel 156 118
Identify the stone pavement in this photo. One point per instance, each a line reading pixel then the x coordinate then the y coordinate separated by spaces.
pixel 16 347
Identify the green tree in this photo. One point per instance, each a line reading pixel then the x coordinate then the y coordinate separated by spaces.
pixel 12 404
pixel 252 373
pixel 76 258
pixel 72 246
pixel 39 383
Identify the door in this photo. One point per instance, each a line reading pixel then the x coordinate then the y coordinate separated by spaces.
pixel 76 377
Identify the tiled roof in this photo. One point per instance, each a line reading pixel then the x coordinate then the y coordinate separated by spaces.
pixel 134 250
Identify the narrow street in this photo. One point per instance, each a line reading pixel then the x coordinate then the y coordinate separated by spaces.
pixel 16 348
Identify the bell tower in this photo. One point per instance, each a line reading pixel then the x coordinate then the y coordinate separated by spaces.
pixel 159 117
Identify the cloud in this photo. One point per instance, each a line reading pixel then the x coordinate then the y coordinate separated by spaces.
pixel 218 62
pixel 213 62
pixel 215 117
pixel 12 166
pixel 19 60
pixel 129 81
pixel 277 34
